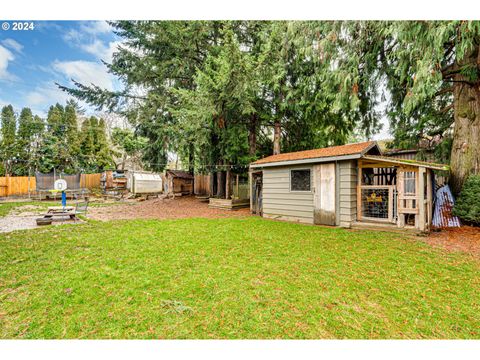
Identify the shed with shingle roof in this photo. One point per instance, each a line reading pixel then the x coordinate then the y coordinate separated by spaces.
pixel 348 185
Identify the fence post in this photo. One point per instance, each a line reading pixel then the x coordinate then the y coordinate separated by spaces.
pixel 8 183
pixel 28 183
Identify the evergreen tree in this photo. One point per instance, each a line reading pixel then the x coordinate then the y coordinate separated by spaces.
pixel 25 133
pixel 7 148
pixel 128 144
pixel 72 133
pixel 430 71
pixel 96 154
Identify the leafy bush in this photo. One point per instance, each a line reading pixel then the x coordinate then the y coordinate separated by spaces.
pixel 467 206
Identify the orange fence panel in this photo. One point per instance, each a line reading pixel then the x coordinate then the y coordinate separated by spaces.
pixel 90 181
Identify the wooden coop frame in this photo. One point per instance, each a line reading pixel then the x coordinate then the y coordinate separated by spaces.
pixel 405 186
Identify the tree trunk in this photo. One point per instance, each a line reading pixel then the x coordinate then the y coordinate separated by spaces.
pixel 227 184
pixel 252 135
pixel 465 155
pixel 220 185
pixel 124 160
pixel 276 137
pixel 212 183
pixel 191 159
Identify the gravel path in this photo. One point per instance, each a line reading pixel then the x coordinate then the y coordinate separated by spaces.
pixel 17 222
pixel 24 218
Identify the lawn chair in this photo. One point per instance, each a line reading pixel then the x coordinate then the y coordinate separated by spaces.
pixel 80 209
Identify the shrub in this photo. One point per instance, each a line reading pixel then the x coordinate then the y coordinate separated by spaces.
pixel 467 206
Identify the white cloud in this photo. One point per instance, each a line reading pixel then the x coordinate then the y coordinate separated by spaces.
pixel 72 35
pixel 46 93
pixel 5 57
pixel 100 50
pixel 86 30
pixel 85 72
pixel 13 45
pixel 96 27
pixel 36 97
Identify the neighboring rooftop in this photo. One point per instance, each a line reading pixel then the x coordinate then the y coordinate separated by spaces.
pixel 328 152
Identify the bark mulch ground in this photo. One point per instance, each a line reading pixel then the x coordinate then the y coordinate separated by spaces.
pixel 180 207
pixel 465 239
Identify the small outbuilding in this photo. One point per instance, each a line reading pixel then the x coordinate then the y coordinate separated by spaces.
pixel 178 182
pixel 141 182
pixel 350 186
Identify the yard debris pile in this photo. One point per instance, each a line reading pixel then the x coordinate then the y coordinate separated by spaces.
pixel 165 208
pixel 464 239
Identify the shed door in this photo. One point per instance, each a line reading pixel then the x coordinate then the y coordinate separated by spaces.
pixel 324 194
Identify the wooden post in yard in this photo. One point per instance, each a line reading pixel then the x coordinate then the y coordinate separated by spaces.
pixel 421 198
pixel 250 188
pixel 429 199
pixel 359 190
pixel 28 179
pixel 237 186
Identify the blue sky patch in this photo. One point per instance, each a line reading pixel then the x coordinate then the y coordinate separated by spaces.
pixel 32 61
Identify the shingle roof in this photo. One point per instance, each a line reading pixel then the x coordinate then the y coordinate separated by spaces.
pixel 349 149
pixel 180 174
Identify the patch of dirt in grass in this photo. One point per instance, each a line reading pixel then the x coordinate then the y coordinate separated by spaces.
pixel 27 210
pixel 178 208
pixel 464 239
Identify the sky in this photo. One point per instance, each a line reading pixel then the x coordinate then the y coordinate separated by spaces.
pixel 32 61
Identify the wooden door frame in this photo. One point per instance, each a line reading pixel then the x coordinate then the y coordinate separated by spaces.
pixel 317 194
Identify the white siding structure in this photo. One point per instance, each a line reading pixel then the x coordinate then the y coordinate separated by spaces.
pixel 281 203
pixel 331 197
pixel 348 192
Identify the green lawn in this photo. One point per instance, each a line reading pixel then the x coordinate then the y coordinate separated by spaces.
pixel 231 278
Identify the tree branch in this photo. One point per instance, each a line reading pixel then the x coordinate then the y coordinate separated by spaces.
pixel 444 91
pixel 447 108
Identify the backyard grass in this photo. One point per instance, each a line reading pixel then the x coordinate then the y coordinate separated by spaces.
pixel 231 278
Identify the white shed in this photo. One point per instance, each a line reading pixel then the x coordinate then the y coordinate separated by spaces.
pixel 145 183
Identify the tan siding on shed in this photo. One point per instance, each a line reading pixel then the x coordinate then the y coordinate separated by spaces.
pixel 348 192
pixel 279 202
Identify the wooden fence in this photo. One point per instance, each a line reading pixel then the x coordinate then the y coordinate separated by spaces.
pixel 90 181
pixel 202 184
pixel 24 185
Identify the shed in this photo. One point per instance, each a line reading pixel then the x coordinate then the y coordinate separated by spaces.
pixel 350 185
pixel 178 182
pixel 145 183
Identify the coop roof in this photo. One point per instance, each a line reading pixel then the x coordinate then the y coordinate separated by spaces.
pixel 180 174
pixel 406 162
pixel 332 153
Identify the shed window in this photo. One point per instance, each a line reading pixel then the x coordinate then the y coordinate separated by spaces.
pixel 409 183
pixel 300 180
